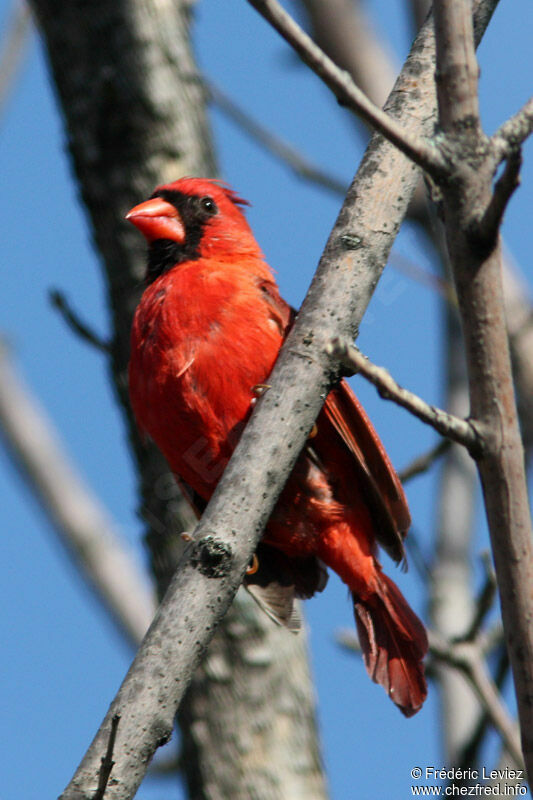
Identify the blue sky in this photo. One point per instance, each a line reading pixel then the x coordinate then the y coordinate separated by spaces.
pixel 62 659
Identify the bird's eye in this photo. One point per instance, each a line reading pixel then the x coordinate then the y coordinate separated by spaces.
pixel 208 205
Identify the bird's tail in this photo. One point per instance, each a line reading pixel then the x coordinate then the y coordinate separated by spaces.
pixel 394 643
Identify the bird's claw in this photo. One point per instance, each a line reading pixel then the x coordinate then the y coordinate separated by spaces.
pixel 253 565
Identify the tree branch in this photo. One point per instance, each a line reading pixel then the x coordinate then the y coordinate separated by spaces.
pixel 491 220
pixel 451 600
pixel 424 462
pixel 467 658
pixel 82 525
pixel 274 144
pixel 476 263
pixel 107 763
pixel 457 69
pixel 12 48
pixel 419 151
pixel 513 132
pixel 484 602
pixel 343 30
pixel 459 430
pixel 60 302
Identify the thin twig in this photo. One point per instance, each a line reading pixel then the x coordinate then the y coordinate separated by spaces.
pixel 422 463
pixel 471 749
pixel 344 30
pixel 463 431
pixel 417 557
pixel 467 658
pixel 420 151
pixel 107 763
pixel 509 181
pixel 273 143
pixel 484 602
pixel 513 132
pixel 423 277
pixel 75 323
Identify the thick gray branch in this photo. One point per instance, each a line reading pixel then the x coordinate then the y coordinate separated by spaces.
pixel 476 262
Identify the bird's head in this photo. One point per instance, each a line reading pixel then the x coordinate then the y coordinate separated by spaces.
pixel 190 219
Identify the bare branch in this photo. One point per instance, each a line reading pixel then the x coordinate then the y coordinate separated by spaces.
pixel 417 149
pixel 471 749
pixel 485 601
pixel 457 70
pixel 451 601
pixel 460 430
pixel 477 272
pixel 83 526
pixel 419 11
pixel 424 462
pixel 489 225
pixel 60 302
pixel 273 143
pixel 107 761
pixel 343 30
pixel 12 48
pixel 466 657
pixel 519 317
pixel 513 132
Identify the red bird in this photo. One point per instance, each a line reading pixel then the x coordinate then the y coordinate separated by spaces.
pixel 205 335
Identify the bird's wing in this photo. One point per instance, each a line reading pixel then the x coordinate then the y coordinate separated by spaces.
pixel 381 486
pixel 344 417
pixel 280 311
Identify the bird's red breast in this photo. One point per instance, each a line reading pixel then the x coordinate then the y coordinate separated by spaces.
pixel 206 333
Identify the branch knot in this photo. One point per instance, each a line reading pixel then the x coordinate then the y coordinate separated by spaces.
pixel 212 557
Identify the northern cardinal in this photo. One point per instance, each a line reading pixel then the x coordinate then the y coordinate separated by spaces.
pixel 205 336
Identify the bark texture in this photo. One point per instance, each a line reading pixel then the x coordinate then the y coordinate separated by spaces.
pixel 135 117
pixel 472 212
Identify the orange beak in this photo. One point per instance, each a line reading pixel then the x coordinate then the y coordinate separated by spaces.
pixel 157 219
